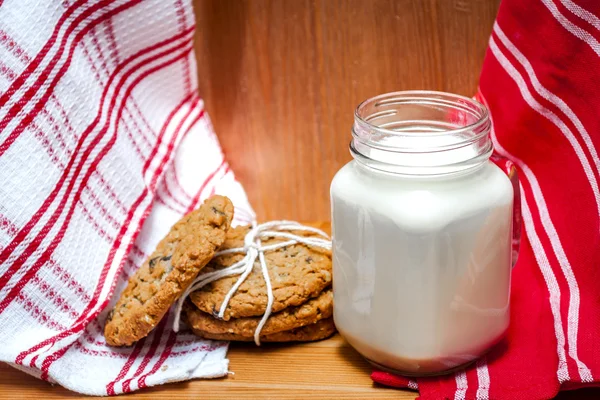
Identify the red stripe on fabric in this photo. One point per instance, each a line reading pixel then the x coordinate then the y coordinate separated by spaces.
pixel 102 209
pixel 160 362
pixel 33 270
pixel 214 188
pixel 196 198
pixel 38 132
pixel 129 269
pixel 95 324
pixel 149 354
pixel 12 44
pixel 181 123
pixel 6 71
pixel 43 140
pixel 181 17
pixel 61 273
pixel 178 183
pixel 43 75
pixel 111 192
pixel 31 67
pixel 103 234
pixel 169 193
pixel 89 338
pixel 142 117
pixel 472 382
pixel 112 42
pixel 32 364
pixel 58 354
pixel 98 353
pixel 113 354
pixel 139 252
pixel 18 83
pixel 104 65
pixel 20 53
pixel 177 129
pixel 158 198
pixel 7 225
pixel 110 388
pixel 192 350
pixel 81 324
pixel 55 297
pixel 39 314
pixel 131 137
pixel 29 226
pixel 67 278
pixel 18 108
pixel 177 201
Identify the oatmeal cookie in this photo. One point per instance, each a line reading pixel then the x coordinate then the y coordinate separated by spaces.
pixel 297 272
pixel 156 285
pixel 309 313
pixel 309 333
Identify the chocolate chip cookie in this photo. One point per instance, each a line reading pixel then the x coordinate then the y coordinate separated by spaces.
pixel 187 248
pixel 312 311
pixel 317 331
pixel 297 273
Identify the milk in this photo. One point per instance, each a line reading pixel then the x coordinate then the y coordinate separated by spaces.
pixel 421 264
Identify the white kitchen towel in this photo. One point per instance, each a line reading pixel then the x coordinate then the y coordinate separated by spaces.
pixel 104 144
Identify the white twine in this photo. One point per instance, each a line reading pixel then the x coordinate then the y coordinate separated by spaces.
pixel 254 249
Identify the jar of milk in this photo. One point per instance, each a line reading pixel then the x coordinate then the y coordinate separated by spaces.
pixel 421 223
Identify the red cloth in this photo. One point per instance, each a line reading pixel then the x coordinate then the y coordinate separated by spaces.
pixel 539 81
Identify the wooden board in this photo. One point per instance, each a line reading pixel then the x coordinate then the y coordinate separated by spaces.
pixel 281 80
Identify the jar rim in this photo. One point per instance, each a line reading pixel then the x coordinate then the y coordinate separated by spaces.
pixel 422 96
pixel 421 132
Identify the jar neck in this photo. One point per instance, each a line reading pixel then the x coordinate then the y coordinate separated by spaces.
pixel 421 133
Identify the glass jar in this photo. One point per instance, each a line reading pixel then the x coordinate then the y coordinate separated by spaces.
pixel 421 223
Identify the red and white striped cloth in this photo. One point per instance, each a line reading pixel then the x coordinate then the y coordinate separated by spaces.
pixel 104 144
pixel 540 82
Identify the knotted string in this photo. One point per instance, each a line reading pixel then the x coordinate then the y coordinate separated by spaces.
pixel 254 249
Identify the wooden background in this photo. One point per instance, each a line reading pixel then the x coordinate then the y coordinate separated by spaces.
pixel 281 80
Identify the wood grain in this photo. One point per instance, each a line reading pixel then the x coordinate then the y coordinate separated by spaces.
pixel 281 80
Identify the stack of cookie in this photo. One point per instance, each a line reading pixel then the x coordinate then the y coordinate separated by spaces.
pixel 303 301
pixel 300 276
